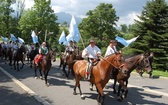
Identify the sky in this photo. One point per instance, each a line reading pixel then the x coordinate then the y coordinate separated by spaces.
pixel 127 10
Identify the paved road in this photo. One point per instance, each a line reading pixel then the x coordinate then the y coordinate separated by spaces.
pixel 142 91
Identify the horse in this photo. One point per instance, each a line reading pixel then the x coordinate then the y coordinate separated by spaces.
pixel 18 56
pixel 100 73
pixel 32 55
pixel 10 55
pixel 67 60
pixel 45 65
pixel 123 75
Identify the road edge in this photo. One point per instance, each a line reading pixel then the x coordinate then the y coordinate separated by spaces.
pixel 25 88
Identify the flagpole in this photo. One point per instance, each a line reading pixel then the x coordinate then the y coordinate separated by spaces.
pixel 82 41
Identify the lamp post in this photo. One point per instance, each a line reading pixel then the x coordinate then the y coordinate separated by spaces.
pixel 47 34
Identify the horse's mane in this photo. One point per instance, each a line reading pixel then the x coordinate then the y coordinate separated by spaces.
pixel 109 55
pixel 128 57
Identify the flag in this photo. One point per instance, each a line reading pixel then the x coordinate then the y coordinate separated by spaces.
pixel 132 40
pixel 124 42
pixel 62 39
pixel 21 41
pixel 13 38
pixel 4 39
pixel 73 31
pixel 34 37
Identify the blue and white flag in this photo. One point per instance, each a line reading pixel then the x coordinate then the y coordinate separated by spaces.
pixel 13 38
pixel 62 39
pixel 4 39
pixel 21 41
pixel 34 37
pixel 124 42
pixel 73 31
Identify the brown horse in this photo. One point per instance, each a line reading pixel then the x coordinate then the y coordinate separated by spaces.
pixel 18 56
pixel 74 55
pixel 45 65
pixel 123 75
pixel 10 55
pixel 100 73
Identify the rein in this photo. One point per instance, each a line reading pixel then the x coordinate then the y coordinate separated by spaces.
pixel 110 62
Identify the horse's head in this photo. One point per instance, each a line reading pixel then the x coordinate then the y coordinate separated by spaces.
pixel 117 60
pixel 144 64
pixel 52 55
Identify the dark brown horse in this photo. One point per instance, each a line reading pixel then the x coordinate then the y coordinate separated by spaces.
pixel 100 73
pixel 45 65
pixel 10 55
pixel 123 75
pixel 67 60
pixel 18 56
pixel 32 55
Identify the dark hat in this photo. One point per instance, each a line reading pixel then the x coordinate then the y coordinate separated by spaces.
pixel 70 41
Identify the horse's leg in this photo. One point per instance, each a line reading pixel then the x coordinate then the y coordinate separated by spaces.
pixel 18 65
pixel 114 85
pixel 35 70
pixel 45 76
pixel 126 91
pixel 22 64
pixel 69 68
pixel 64 66
pixel 101 96
pixel 41 76
pixel 14 66
pixel 91 86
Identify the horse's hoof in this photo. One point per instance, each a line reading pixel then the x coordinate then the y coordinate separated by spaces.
pixel 119 99
pixel 82 97
pixel 41 77
pixel 47 84
pixel 74 93
pixel 36 78
pixel 91 88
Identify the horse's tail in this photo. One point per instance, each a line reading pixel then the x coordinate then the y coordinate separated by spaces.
pixel 72 70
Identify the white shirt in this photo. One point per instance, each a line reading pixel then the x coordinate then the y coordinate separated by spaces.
pixel 69 48
pixel 15 47
pixel 9 45
pixel 91 52
pixel 110 50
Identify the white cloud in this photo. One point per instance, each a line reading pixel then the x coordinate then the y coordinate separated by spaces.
pixel 79 8
pixel 129 19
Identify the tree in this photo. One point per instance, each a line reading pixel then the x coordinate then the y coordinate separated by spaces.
pixel 5 17
pixel 40 18
pixel 99 24
pixel 153 29
pixel 124 28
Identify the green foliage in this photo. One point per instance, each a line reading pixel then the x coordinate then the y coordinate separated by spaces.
pixel 5 17
pixel 99 24
pixel 153 29
pixel 40 18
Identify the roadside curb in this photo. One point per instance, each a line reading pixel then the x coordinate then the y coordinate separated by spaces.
pixel 25 88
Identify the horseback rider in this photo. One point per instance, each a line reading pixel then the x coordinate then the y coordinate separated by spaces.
pixel 4 45
pixel 92 53
pixel 111 49
pixel 68 50
pixel 15 48
pixel 42 51
pixel 10 45
pixel 32 47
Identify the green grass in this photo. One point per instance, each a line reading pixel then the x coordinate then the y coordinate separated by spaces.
pixel 160 73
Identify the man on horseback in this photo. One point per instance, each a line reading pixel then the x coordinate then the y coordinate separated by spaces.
pixel 42 51
pixel 15 48
pixel 111 49
pixel 68 50
pixel 92 53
